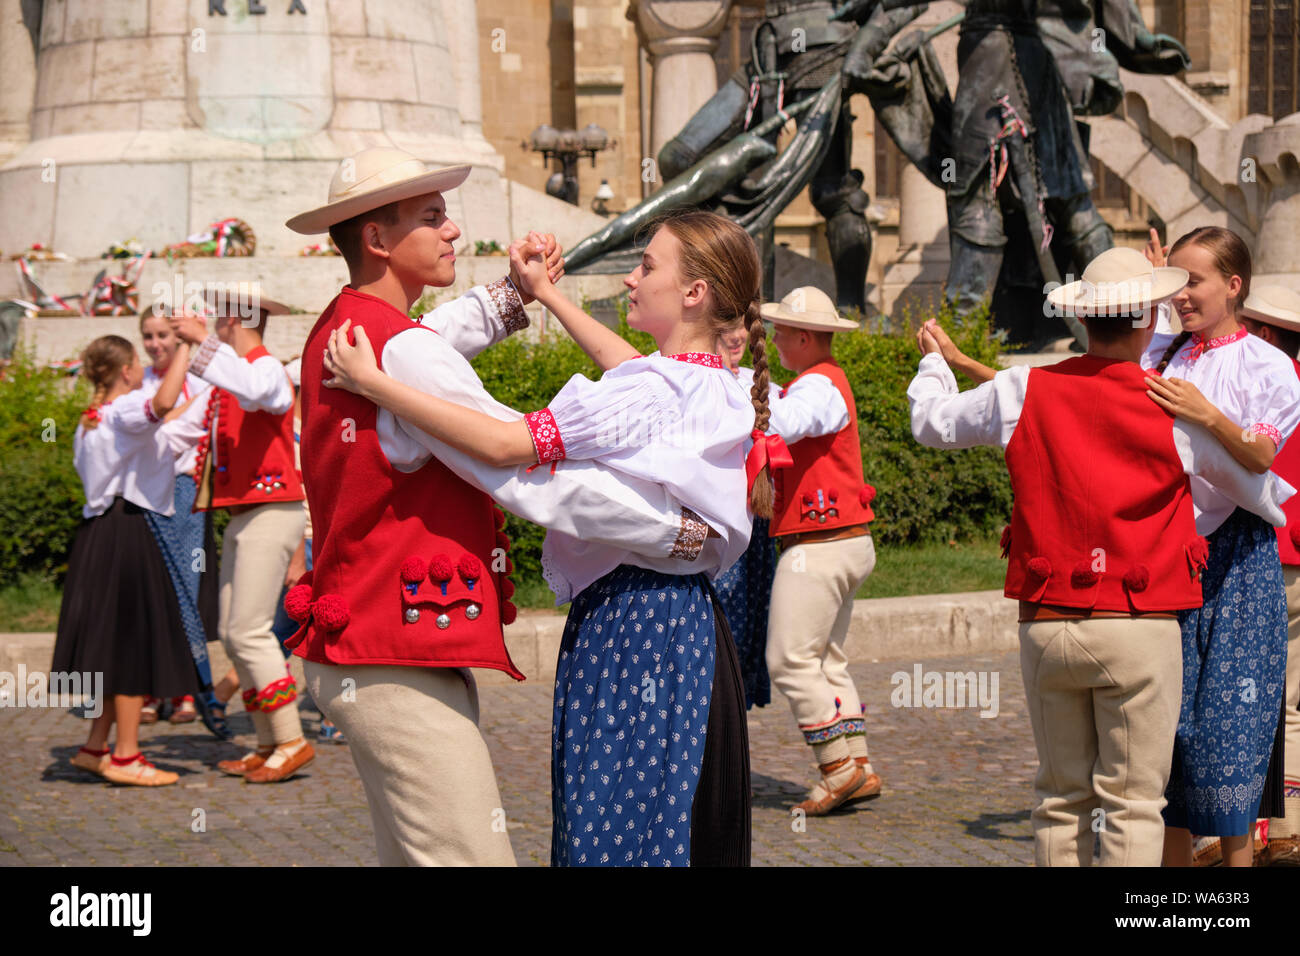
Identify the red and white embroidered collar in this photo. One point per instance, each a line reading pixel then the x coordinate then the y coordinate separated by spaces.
pixel 707 359
pixel 1200 345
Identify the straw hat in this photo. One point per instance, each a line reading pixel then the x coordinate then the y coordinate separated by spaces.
pixel 373 178
pixel 807 307
pixel 1118 282
pixel 1274 305
pixel 241 300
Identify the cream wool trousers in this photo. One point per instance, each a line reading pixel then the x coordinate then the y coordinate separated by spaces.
pixel 255 554
pixel 414 737
pixel 812 605
pixel 1103 698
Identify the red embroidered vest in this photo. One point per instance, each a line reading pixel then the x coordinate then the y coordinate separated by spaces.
pixel 253 459
pixel 823 489
pixel 1287 467
pixel 408 568
pixel 1103 510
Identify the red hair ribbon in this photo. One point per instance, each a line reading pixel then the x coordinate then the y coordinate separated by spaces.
pixel 768 450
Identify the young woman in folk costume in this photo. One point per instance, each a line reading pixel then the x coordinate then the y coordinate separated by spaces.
pixel 119 615
pixel 1216 374
pixel 650 760
pixel 183 534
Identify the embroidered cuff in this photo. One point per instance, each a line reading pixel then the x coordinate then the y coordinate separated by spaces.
pixel 1268 431
pixel 690 539
pixel 203 354
pixel 546 436
pixel 149 412
pixel 510 308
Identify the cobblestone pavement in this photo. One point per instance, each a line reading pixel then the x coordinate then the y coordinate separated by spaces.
pixel 958 788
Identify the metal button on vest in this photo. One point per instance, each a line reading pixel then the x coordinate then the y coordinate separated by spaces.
pixel 472 611
pixel 821 519
pixel 412 615
pixel 444 621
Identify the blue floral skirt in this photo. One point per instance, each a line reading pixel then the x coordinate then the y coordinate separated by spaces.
pixel 745 593
pixel 634 705
pixel 1234 669
pixel 179 537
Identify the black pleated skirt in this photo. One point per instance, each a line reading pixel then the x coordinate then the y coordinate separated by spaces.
pixel 721 813
pixel 119 615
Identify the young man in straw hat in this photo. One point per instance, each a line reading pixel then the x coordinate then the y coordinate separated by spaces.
pixel 1102 549
pixel 246 464
pixel 1272 312
pixel 820 515
pixel 409 586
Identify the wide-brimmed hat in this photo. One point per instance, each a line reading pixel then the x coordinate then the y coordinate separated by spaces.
pixel 240 299
pixel 807 307
pixel 373 178
pixel 1118 282
pixel 1273 305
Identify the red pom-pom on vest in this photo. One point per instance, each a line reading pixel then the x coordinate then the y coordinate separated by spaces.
pixel 508 613
pixel 499 517
pixel 1083 576
pixel 1040 568
pixel 866 495
pixel 1295 534
pixel 503 542
pixel 331 612
pixel 297 602
pixel 507 588
pixel 1006 541
pixel 1198 554
pixel 1137 577
pixel 440 568
pixel 414 569
pixel 470 567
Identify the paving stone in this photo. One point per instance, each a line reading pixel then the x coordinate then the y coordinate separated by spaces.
pixel 958 788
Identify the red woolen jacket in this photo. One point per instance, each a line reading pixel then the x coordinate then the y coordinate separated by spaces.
pixel 408 568
pixel 1103 508
pixel 250 460
pixel 824 488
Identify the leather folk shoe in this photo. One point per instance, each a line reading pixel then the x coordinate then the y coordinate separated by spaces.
pixel 246 763
pixel 870 787
pixel 840 779
pixel 275 770
pixel 138 772
pixel 90 760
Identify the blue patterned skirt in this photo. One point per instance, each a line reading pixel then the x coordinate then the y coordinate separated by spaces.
pixel 745 593
pixel 633 687
pixel 179 537
pixel 1234 669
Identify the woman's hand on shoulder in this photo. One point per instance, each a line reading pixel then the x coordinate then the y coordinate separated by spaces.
pixel 1182 398
pixel 354 367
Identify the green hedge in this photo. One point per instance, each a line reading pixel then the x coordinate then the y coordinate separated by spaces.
pixel 924 495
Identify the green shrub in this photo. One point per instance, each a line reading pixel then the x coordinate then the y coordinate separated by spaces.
pixel 40 493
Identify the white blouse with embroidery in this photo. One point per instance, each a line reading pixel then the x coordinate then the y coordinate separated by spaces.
pixel 681 421
pixel 126 456
pixel 180 435
pixel 1250 381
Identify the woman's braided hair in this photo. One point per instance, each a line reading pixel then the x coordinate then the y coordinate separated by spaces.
pixel 101 362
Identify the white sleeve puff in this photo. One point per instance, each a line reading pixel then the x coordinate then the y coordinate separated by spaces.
pixel 594 419
pixel 131 413
pixel 1273 408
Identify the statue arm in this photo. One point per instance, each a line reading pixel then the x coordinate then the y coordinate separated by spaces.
pixel 1133 45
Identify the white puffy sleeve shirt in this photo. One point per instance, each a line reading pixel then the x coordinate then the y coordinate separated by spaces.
pixel 943 417
pixel 680 422
pixel 1253 383
pixel 182 435
pixel 125 456
pixel 610 518
pixel 261 385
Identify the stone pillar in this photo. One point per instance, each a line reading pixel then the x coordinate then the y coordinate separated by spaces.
pixel 1277 245
pixel 918 273
pixel 19 87
pixel 681 36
